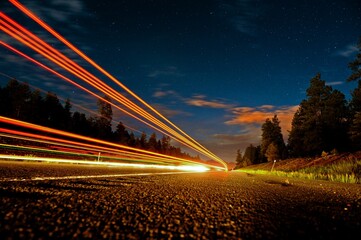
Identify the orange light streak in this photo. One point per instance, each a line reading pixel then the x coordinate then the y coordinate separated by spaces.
pixel 70 81
pixel 129 150
pixel 149 157
pixel 33 60
pixel 80 53
pixel 61 98
pixel 18 37
pixel 77 85
pixel 90 79
pixel 122 155
pixel 61 60
pixel 133 156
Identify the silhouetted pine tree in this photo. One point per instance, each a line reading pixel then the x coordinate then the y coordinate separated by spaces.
pixel 104 122
pixel 355 131
pixel 272 133
pixel 36 108
pixel 53 111
pixel 239 158
pixel 121 135
pixel 355 117
pixel 132 140
pixel 16 98
pixel 165 144
pixel 251 156
pixel 80 124
pixel 19 102
pixel 355 65
pixel 152 142
pixel 272 152
pixel 320 123
pixel 142 142
pixel 355 102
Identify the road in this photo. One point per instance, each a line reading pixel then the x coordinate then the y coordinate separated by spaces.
pixel 210 205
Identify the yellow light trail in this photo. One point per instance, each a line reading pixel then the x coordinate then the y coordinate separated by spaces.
pixel 29 39
pixel 21 36
pixel 51 58
pixel 135 155
pixel 102 87
pixel 74 151
pixel 75 146
pixel 188 170
pixel 80 53
pixel 100 144
pixel 111 164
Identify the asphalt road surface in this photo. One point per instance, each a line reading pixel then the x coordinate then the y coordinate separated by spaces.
pixel 37 202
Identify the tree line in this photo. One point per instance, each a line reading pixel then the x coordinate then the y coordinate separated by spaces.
pixel 325 122
pixel 18 101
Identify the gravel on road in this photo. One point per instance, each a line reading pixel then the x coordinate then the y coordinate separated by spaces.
pixel 210 205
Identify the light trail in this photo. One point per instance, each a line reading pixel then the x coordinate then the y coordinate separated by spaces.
pixel 42 65
pixel 35 46
pixel 135 155
pixel 76 84
pixel 74 146
pixel 32 41
pixel 26 40
pixel 71 152
pixel 94 64
pixel 13 35
pixel 108 164
pixel 177 170
pixel 21 36
pixel 77 106
pixel 100 144
pixel 72 47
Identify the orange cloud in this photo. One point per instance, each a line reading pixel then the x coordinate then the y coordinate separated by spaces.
pixel 258 115
pixel 168 112
pixel 160 94
pixel 200 101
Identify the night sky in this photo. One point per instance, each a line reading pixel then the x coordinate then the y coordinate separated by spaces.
pixel 215 68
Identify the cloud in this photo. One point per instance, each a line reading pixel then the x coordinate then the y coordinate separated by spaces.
pixel 58 10
pixel 200 101
pixel 250 134
pixel 225 145
pixel 196 100
pixel 241 14
pixel 334 83
pixel 53 12
pixel 249 120
pixel 246 123
pixel 168 71
pixel 161 94
pixel 256 116
pixel 348 51
pixel 169 113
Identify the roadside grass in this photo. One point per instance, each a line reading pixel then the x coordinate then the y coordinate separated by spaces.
pixel 343 171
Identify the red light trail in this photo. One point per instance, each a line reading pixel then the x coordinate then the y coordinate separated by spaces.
pixel 15 30
pixel 89 144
